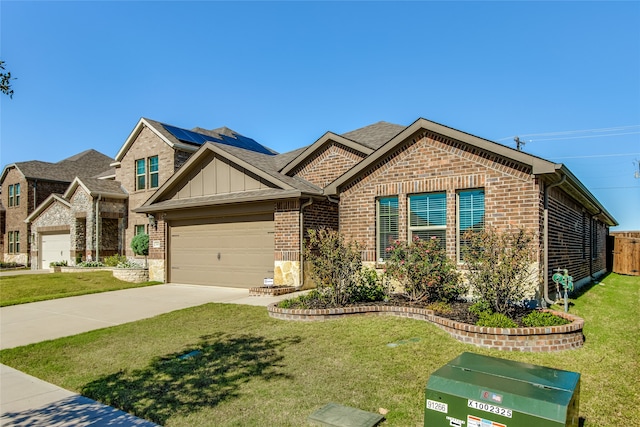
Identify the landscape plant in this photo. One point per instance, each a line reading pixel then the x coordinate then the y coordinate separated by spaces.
pixel 498 267
pixel 423 271
pixel 335 265
pixel 114 260
pixel 140 245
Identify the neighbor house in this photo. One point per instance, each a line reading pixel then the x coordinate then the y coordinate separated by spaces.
pixel 25 185
pixel 232 216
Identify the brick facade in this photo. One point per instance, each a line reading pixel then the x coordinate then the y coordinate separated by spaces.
pixel 429 163
pixel 146 145
pixel 327 164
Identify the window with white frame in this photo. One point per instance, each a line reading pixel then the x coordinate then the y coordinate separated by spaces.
pixel 387 223
pixel 470 216
pixel 14 242
pixel 428 217
pixel 153 172
pixel 140 229
pixel 14 195
pixel 141 174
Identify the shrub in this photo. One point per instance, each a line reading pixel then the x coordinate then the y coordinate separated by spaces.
pixel 128 264
pixel 440 307
pixel 480 307
pixel 58 263
pixel 114 260
pixel 543 318
pixel 90 264
pixel 495 320
pixel 335 265
pixel 10 264
pixel 499 267
pixel 370 287
pixel 140 244
pixel 302 301
pixel 424 271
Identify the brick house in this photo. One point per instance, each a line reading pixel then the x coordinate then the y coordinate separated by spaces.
pixel 232 216
pixel 25 185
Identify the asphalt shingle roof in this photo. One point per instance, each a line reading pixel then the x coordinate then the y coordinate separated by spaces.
pixel 375 135
pixel 84 164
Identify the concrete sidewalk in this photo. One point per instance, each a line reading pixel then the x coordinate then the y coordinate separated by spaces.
pixel 28 401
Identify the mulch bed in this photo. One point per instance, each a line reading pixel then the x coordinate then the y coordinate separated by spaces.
pixel 459 310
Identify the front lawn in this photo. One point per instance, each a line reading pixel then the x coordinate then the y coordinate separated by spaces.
pixel 26 288
pixel 232 365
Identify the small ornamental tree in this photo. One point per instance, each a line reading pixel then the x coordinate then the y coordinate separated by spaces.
pixel 335 265
pixel 140 246
pixel 499 267
pixel 424 271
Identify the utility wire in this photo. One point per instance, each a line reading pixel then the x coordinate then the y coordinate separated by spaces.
pixel 597 156
pixel 569 132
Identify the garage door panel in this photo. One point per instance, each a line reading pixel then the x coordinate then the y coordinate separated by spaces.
pixel 54 247
pixel 234 252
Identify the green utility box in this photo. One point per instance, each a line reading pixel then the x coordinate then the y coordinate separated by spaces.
pixel 481 391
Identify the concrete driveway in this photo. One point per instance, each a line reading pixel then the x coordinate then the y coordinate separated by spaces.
pixel 28 401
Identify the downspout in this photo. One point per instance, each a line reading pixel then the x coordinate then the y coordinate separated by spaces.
pixel 301 226
pixel 545 238
pixel 594 233
pixel 97 228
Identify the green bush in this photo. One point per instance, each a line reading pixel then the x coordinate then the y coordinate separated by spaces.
pixel 301 301
pixel 543 318
pixel 114 260
pixel 140 244
pixel 424 271
pixel 10 264
pixel 495 320
pixel 90 264
pixel 128 264
pixel 335 265
pixel 440 307
pixel 58 264
pixel 370 287
pixel 480 307
pixel 499 267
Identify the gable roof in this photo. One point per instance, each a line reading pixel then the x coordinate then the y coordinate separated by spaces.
pixel 539 166
pixel 97 187
pixel 191 140
pixel 375 135
pixel 262 165
pixel 86 163
pixel 53 198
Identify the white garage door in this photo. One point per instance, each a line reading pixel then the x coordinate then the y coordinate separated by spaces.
pixel 55 247
pixel 234 252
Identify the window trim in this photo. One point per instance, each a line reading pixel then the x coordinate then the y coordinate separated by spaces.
pixel 411 229
pixel 10 199
pixel 135 229
pixel 16 194
pixel 380 257
pixel 136 169
pixel 484 222
pixel 13 246
pixel 152 173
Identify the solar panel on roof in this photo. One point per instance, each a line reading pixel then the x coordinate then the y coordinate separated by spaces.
pixel 238 141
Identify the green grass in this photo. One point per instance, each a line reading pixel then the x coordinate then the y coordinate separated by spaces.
pixel 27 288
pixel 256 371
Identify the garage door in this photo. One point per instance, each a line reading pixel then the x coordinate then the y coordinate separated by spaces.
pixel 55 247
pixel 234 252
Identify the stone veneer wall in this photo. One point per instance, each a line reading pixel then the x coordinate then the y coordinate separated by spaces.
pixel 553 338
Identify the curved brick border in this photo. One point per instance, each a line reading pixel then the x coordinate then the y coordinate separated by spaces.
pixel 553 338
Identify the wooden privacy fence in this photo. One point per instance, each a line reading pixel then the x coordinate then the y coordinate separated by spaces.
pixel 626 253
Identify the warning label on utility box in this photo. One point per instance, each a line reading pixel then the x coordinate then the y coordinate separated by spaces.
pixel 473 421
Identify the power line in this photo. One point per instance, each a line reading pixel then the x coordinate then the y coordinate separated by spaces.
pixel 569 132
pixel 585 136
pixel 597 156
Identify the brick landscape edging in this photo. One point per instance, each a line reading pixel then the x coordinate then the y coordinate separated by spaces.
pixel 539 339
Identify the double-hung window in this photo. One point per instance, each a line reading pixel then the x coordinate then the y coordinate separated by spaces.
pixel 153 172
pixel 470 216
pixel 428 217
pixel 14 195
pixel 141 174
pixel 14 242
pixel 147 173
pixel 387 225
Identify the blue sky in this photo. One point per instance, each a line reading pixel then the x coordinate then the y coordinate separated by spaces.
pixel 564 76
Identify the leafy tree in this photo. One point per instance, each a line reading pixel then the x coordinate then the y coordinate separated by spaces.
pixel 140 245
pixel 5 80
